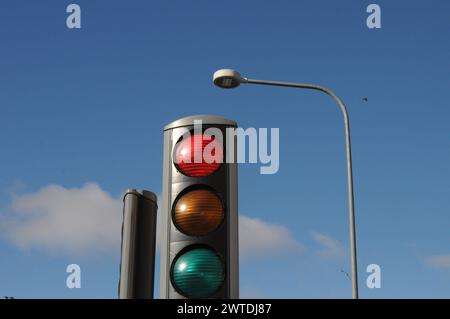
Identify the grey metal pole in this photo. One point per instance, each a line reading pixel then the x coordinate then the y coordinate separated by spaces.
pixel 138 245
pixel 351 201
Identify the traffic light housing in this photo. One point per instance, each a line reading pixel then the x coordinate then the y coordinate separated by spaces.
pixel 137 262
pixel 199 217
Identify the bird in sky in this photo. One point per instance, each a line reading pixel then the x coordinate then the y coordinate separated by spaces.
pixel 365 99
pixel 346 273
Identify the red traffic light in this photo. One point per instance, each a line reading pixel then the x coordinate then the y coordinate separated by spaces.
pixel 199 155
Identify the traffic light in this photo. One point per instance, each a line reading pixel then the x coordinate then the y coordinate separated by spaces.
pixel 199 217
pixel 138 245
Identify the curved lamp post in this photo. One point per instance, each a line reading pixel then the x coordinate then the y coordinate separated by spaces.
pixel 228 79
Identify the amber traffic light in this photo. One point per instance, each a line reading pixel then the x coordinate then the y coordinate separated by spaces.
pixel 198 212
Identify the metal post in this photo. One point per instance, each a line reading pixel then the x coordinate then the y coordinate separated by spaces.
pixel 351 201
pixel 138 245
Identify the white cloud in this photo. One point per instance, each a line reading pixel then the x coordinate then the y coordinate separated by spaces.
pixel 331 248
pixel 258 238
pixel 438 261
pixel 88 220
pixel 69 220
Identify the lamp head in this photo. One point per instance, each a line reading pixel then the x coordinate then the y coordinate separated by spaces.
pixel 227 78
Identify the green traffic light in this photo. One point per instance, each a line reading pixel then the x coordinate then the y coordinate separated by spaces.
pixel 198 273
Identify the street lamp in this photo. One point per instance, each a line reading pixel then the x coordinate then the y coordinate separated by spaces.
pixel 228 79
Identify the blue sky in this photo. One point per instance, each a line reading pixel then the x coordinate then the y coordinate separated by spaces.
pixel 89 105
